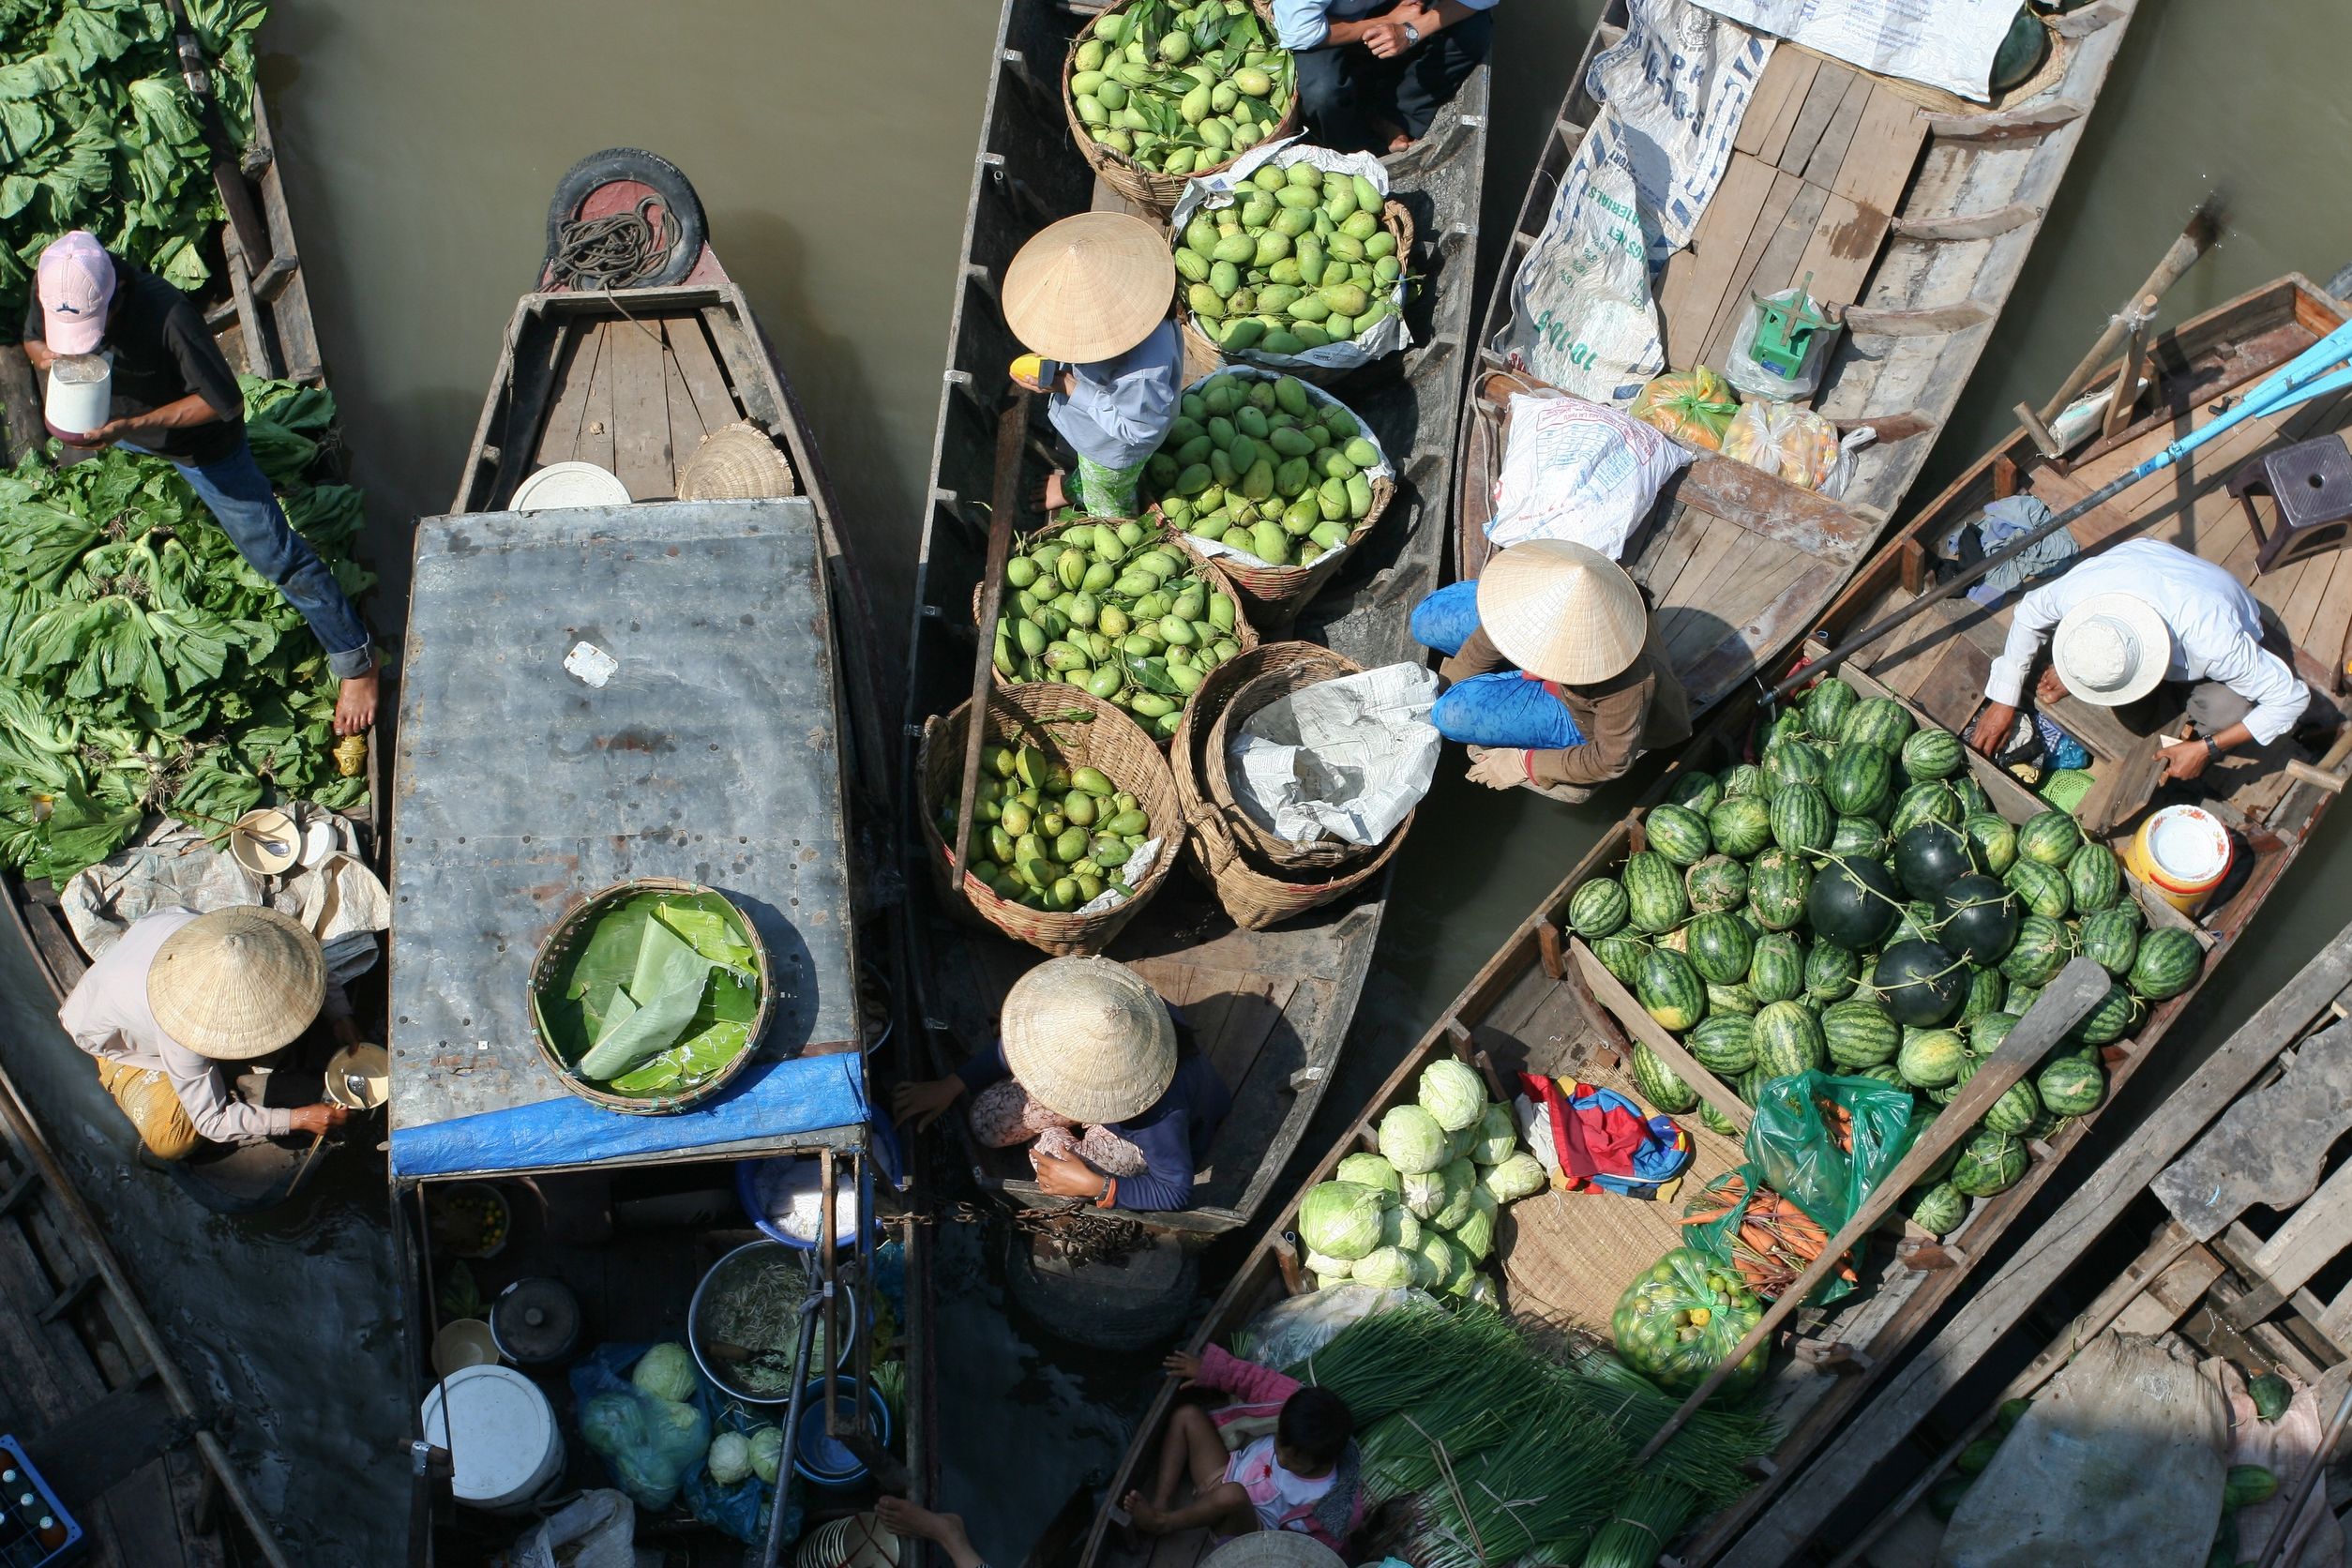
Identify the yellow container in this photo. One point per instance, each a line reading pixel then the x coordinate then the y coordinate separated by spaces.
pixel 2183 852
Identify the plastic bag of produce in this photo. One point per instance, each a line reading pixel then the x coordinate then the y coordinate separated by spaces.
pixel 1691 406
pixel 1578 471
pixel 1794 444
pixel 1295 1327
pixel 650 1445
pixel 1676 1321
pixel 1828 1142
pixel 596 1529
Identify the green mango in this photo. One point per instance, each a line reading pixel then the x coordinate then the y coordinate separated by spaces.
pixel 1344 247
pixel 1306 307
pixel 1290 393
pixel 1272 246
pixel 1211 527
pixel 1191 266
pixel 1331 499
pixel 1359 496
pixel 1360 226
pixel 1311 261
pixel 1100 576
pixel 1221 467
pixel 1241 453
pixel 1221 431
pixel 1331 535
pixel 1292 221
pixel 1270 544
pixel 1386 270
pixel 1194 106
pixel 1297 198
pixel 1303 175
pixel 1369 195
pixel 1219 134
pixel 1225 278
pixel 1343 299
pixel 1267 178
pixel 1360 452
pixel 1235 247
pixel 1331 330
pixel 1259 483
pixel 1194 479
pixel 1259 210
pixel 1292 478
pixel 1281 339
pixel 1283 272
pixel 1090 112
pixel 1339 202
pixel 1086 83
pixel 1205 301
pixel 1193 406
pixel 1223 96
pixel 1277 296
pixel 1241 333
pixel 1091 54
pixel 1331 463
pixel 1112 94
pixel 1256 84
pixel 1195 451
pixel 1251 422
pixel 1289 443
pixel 1380 247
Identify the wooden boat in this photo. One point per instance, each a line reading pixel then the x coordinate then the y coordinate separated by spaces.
pixel 718 747
pixel 260 317
pixel 1545 1004
pixel 2231 1206
pixel 1913 209
pixel 1271 1007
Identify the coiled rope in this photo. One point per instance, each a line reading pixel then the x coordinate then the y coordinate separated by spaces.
pixel 616 251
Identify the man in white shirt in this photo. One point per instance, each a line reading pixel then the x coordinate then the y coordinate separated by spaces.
pixel 2139 616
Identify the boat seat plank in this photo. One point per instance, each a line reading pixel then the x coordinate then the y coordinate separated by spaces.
pixel 1823 98
pixel 1773 268
pixel 2331 618
pixel 1669 551
pixel 1701 623
pixel 1845 245
pixel 1885 149
pixel 1766 505
pixel 1821 165
pixel 1712 674
pixel 640 412
pixel 51 1376
pixel 2313 1234
pixel 596 443
pixel 559 432
pixel 1952 687
pixel 2164 1300
pixel 698 364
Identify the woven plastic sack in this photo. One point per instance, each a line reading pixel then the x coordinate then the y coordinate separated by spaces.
pixel 1676 1321
pixel 596 1529
pixel 1794 444
pixel 1294 1328
pixel 1693 406
pixel 1578 471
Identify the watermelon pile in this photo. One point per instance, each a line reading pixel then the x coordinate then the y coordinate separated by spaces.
pixel 1852 902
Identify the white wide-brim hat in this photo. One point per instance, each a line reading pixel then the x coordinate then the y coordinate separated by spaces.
pixel 2111 649
pixel 237 983
pixel 1088 1039
pixel 1090 287
pixel 1562 612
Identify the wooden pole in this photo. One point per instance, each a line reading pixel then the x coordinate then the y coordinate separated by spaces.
pixel 2126 393
pixel 2196 237
pixel 1011 427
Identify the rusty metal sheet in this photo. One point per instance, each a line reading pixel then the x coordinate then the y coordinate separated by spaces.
pixel 709 751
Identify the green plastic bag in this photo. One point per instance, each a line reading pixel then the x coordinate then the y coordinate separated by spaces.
pixel 1676 1321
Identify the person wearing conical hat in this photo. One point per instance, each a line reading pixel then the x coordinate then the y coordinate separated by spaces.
pixel 179 1000
pixel 1090 1065
pixel 1554 675
pixel 1090 298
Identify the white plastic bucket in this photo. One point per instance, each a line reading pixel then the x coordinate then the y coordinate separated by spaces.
pixel 81 394
pixel 502 1437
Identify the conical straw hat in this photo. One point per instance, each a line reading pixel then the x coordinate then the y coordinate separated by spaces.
pixel 1088 1039
pixel 1090 287
pixel 237 983
pixel 1562 612
pixel 1273 1548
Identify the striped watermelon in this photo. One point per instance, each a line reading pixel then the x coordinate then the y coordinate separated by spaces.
pixel 1697 790
pixel 1788 1040
pixel 2049 836
pixel 1859 836
pixel 2110 1017
pixel 1620 955
pixel 2015 1110
pixel 1858 781
pixel 1990 1162
pixel 1879 721
pixel 2021 998
pixel 1653 893
pixel 1723 1044
pixel 1659 1084
pixel 1939 1210
pixel 1992 839
pixel 1678 833
pixel 2040 950
pixel 1830 972
pixel 1745 778
pixel 2043 889
pixel 1719 947
pixel 1751 1082
pixel 1778 881
pixel 1801 818
pixel 1932 754
pixel 1859 1034
pixel 1670 989
pixel 1914 922
pixel 1827 705
pixel 2112 937
pixel 1790 762
pixel 1986 1033
pixel 1597 908
pixel 1717 1122
pixel 1923 1114
pixel 2093 879
pixel 1717 882
pixel 2070 1085
pixel 1883 1073
pixel 1985 987
pixel 2168 963
pixel 1930 801
pixel 1736 1000
pixel 1776 968
pixel 1742 824
pixel 1973 800
pixel 1931 1058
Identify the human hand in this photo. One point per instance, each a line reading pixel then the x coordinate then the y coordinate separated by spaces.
pixel 1184 1367
pixel 923 1103
pixel 2184 759
pixel 1067 1175
pixel 1498 769
pixel 317 1119
pixel 2049 689
pixel 1386 37
pixel 1992 728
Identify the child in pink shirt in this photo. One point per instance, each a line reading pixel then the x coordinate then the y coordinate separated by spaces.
pixel 1280 1457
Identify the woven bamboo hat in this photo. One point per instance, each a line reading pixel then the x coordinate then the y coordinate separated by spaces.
pixel 1562 612
pixel 1273 1548
pixel 2111 649
pixel 1089 287
pixel 735 462
pixel 1088 1039
pixel 237 983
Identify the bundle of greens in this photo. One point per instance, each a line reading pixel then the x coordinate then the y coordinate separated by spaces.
pixel 144 666
pixel 99 131
pixel 661 996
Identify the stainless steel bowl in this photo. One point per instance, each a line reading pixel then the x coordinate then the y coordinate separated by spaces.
pixel 746 1259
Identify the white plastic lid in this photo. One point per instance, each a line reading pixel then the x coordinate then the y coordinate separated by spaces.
pixel 2189 845
pixel 503 1430
pixel 569 484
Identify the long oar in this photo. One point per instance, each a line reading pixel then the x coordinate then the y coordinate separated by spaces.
pixel 2316 371
pixel 1011 427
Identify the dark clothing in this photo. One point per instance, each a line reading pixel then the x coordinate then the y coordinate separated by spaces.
pixel 163 352
pixel 1641 709
pixel 1174 1134
pixel 1344 87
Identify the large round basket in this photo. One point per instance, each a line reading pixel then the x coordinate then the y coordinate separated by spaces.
pixel 1148 188
pixel 736 462
pixel 1277 682
pixel 1040 715
pixel 1203 357
pixel 1211 571
pixel 574 929
pixel 1255 893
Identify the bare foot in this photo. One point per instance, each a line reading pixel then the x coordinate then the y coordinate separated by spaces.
pixel 356 703
pixel 1146 1515
pixel 1399 142
pixel 1056 497
pixel 946 1531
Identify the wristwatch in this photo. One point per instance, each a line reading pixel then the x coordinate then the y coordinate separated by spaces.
pixel 2212 749
pixel 1413 34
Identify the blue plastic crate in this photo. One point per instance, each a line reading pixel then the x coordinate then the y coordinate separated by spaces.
pixel 19 1540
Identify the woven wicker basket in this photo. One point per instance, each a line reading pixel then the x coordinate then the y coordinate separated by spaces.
pixel 1282 678
pixel 1213 571
pixel 573 930
pixel 1148 188
pixel 1204 358
pixel 736 462
pixel 1108 740
pixel 1253 892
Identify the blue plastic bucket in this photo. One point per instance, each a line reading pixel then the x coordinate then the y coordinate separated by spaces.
pixel 827 1461
pixel 756 1182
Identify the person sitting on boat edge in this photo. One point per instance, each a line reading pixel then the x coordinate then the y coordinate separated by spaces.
pixel 175 397
pixel 1092 1066
pixel 909 1520
pixel 1388 61
pixel 2142 615
pixel 178 995
pixel 1591 689
pixel 1280 1457
pixel 1089 298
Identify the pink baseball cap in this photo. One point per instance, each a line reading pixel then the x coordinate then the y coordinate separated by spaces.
pixel 77 283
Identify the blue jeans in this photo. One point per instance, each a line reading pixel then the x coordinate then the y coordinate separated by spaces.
pixel 237 493
pixel 1504 708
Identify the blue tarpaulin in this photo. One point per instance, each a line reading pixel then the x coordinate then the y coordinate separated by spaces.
pixel 778 1100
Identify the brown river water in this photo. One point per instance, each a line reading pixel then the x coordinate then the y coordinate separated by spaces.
pixel 833 149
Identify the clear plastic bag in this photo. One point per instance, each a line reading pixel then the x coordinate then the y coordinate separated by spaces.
pixel 650 1445
pixel 596 1529
pixel 1793 443
pixel 1674 1322
pixel 1828 1142
pixel 1294 1328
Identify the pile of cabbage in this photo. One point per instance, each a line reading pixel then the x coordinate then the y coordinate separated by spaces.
pixel 1422 1211
pixel 654 1436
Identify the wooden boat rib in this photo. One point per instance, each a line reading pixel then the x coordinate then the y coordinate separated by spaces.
pixel 1271 1007
pixel 1545 1004
pixel 1913 209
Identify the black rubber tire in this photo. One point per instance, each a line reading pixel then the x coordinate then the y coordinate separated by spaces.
pixel 634 163
pixel 1097 1312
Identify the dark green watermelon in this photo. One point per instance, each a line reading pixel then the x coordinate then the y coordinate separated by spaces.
pixel 1719 947
pixel 1787 1038
pixel 1659 1084
pixel 2095 880
pixel 1852 903
pixel 1930 801
pixel 1742 824
pixel 1717 882
pixel 1858 1032
pixel 1723 1044
pixel 2040 950
pixel 1973 800
pixel 1929 854
pixel 2043 889
pixel 1920 982
pixel 1801 818
pixel 1779 882
pixel 2015 1110
pixel 1597 908
pixel 1678 833
pixel 1993 840
pixel 1858 781
pixel 2049 836
pixel 1827 706
pixel 1653 893
pixel 2020 998
pixel 1939 1210
pixel 1777 970
pixel 1977 918
pixel 1794 761
pixel 1831 970
pixel 2110 1018
pixel 1669 988
pixel 2167 963
pixel 1697 790
pixel 2112 938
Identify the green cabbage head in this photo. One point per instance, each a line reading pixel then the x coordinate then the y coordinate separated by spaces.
pixel 1369 1171
pixel 1520 1176
pixel 666 1372
pixel 1387 1268
pixel 1341 1219
pixel 1453 1093
pixel 767 1452
pixel 1497 1137
pixel 730 1458
pixel 1411 1140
